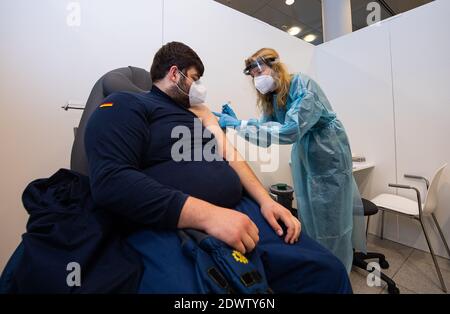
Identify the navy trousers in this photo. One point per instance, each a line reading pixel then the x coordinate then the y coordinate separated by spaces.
pixel 303 267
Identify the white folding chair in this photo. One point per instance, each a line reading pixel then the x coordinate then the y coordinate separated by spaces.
pixel 416 210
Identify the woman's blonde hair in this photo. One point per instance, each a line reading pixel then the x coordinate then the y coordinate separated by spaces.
pixel 282 80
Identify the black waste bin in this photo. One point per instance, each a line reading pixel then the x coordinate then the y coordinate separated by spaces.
pixel 284 196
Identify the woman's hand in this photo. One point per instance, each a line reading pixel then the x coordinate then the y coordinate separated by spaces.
pixel 272 212
pixel 226 109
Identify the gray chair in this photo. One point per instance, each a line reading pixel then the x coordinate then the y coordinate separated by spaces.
pixel 129 79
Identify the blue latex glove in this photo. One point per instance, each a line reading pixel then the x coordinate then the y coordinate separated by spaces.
pixel 226 109
pixel 227 121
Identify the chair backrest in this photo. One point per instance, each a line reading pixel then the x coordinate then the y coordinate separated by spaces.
pixel 431 201
pixel 129 79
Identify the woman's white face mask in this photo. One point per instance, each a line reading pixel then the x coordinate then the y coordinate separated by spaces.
pixel 197 92
pixel 264 84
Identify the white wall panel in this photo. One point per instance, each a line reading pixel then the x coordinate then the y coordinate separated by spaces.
pixel 43 64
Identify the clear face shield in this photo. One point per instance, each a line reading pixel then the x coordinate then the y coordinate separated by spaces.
pixel 258 66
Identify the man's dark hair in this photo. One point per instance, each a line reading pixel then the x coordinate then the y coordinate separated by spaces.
pixel 178 54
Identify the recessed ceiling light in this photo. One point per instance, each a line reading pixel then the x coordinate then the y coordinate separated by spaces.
pixel 310 38
pixel 290 2
pixel 294 30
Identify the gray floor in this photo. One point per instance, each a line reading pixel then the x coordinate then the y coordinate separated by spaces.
pixel 412 270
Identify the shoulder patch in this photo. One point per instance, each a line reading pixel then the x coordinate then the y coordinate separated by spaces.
pixel 109 104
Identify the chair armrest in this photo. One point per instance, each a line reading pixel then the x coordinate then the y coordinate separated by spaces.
pixel 410 176
pixel 419 198
pixel 400 186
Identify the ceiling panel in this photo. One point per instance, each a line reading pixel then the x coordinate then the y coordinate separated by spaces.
pixel 275 17
pixel 279 19
pixel 307 14
pixel 359 4
pixel 245 6
pixel 400 6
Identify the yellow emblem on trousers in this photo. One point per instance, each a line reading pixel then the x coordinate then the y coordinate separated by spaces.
pixel 239 257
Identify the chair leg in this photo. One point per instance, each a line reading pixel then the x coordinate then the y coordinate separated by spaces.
pixel 382 224
pixel 442 235
pixel 367 227
pixel 444 288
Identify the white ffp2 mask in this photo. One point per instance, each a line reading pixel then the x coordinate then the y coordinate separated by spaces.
pixel 264 84
pixel 197 92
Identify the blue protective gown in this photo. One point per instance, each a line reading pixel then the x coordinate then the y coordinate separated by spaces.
pixel 330 206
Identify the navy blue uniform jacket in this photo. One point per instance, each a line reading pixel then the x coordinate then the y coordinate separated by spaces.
pixel 129 142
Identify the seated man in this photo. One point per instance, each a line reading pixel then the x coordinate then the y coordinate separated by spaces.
pixel 129 144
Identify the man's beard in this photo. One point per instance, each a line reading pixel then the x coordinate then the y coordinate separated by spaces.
pixel 178 96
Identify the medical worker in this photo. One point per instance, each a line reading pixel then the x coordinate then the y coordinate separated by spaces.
pixel 296 111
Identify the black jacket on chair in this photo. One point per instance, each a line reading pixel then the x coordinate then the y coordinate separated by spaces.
pixel 65 226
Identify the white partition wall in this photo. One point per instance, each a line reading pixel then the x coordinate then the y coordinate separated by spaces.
pixel 44 62
pixel 355 73
pixel 389 85
pixel 224 38
pixel 421 70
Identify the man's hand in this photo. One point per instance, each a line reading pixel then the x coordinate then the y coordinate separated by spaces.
pixel 234 228
pixel 227 225
pixel 272 211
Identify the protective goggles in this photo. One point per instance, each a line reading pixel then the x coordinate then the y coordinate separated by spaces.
pixel 257 66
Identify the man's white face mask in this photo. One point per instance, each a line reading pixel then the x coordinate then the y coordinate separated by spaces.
pixel 264 84
pixel 197 92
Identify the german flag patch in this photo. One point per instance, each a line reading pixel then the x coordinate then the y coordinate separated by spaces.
pixel 109 104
